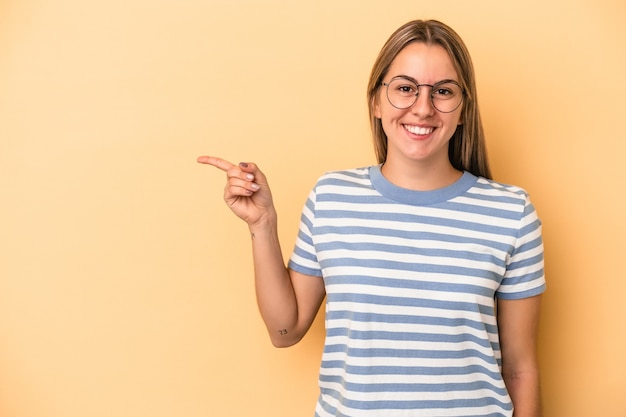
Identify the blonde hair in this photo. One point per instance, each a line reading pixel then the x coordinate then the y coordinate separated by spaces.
pixel 467 150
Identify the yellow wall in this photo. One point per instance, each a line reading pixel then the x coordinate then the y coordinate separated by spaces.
pixel 125 282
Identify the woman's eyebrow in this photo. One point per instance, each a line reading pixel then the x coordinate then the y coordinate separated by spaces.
pixel 406 77
pixel 409 78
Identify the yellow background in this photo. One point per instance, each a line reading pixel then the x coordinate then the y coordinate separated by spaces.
pixel 125 282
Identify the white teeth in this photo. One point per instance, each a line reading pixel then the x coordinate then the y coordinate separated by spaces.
pixel 416 130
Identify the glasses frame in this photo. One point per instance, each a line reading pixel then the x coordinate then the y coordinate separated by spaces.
pixel 418 85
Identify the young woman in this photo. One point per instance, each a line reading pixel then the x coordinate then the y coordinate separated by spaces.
pixel 432 271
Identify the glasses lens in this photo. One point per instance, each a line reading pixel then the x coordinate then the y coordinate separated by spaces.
pixel 402 93
pixel 446 96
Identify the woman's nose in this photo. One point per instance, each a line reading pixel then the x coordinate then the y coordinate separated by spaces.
pixel 424 104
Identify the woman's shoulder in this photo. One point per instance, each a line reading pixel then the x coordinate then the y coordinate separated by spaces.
pixel 502 197
pixel 349 175
pixel 500 188
pixel 346 181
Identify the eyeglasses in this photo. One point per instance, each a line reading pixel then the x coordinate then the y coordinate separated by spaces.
pixel 446 96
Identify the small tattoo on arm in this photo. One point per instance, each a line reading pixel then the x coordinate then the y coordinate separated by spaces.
pixel 252 235
pixel 283 332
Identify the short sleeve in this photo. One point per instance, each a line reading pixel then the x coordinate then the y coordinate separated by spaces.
pixel 524 276
pixel 304 257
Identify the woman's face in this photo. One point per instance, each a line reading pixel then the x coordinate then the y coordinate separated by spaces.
pixel 419 133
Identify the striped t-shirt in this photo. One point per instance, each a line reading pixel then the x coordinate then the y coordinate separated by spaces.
pixel 411 278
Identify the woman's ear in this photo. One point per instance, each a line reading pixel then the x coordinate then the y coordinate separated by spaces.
pixel 376 107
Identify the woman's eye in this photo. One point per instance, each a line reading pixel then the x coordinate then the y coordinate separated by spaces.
pixel 406 89
pixel 447 91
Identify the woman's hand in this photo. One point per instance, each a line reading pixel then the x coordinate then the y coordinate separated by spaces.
pixel 288 300
pixel 246 192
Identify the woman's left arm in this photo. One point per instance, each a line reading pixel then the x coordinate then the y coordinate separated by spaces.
pixel 518 321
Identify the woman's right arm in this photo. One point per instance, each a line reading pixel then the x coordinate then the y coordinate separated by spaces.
pixel 288 301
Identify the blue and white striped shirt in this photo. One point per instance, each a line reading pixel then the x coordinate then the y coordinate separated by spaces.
pixel 411 278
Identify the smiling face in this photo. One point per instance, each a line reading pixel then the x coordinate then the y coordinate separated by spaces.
pixel 418 136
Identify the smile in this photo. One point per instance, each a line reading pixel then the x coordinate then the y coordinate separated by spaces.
pixel 416 130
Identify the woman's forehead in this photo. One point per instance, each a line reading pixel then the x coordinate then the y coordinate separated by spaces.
pixel 427 63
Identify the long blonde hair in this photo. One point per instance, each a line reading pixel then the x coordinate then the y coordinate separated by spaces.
pixel 467 150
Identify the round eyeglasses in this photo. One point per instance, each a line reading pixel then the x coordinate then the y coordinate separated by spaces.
pixel 446 96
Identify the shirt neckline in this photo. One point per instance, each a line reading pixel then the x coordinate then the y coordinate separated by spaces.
pixel 413 197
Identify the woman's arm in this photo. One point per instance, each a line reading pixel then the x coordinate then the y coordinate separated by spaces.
pixel 518 321
pixel 288 301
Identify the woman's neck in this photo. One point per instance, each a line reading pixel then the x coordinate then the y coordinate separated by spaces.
pixel 420 177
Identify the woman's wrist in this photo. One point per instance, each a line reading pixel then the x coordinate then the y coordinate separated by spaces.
pixel 264 225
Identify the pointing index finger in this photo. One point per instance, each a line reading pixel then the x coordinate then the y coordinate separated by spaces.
pixel 216 162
